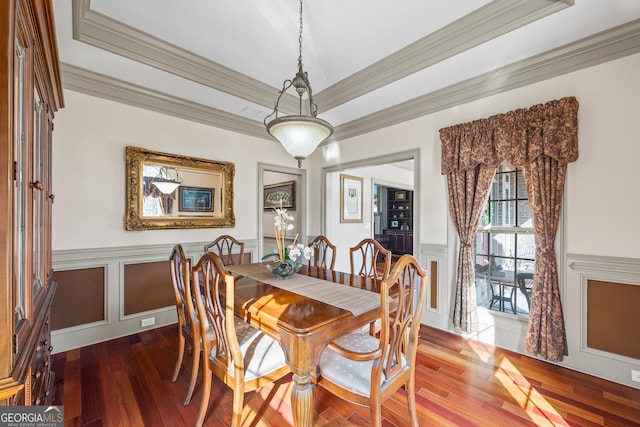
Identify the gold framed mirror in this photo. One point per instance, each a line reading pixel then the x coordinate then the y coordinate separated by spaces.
pixel 166 191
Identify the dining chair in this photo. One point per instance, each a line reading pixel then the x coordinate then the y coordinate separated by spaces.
pixel 324 253
pixel 370 259
pixel 367 370
pixel 242 357
pixel 525 284
pixel 228 248
pixel 188 323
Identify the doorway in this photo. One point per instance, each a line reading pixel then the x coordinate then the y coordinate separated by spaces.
pixel 273 175
pixel 346 235
pixel 394 214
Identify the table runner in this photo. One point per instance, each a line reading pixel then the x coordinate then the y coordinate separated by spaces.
pixel 355 300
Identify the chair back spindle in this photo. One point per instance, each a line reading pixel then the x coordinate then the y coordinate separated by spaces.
pixel 324 253
pixel 370 259
pixel 228 248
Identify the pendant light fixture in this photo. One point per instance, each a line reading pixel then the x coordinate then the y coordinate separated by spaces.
pixel 299 134
pixel 165 184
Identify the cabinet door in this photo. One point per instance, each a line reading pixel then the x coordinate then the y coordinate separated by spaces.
pixel 401 242
pixel 21 194
pixel 30 93
pixel 39 185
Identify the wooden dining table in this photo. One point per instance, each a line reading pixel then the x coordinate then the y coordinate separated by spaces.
pixel 304 325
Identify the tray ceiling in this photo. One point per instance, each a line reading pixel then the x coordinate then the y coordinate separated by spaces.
pixel 371 63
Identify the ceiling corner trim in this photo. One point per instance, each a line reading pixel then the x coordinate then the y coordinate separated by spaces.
pixel 605 46
pixel 105 33
pixel 462 34
pixel 101 86
pixel 599 48
pixel 79 9
pixel 100 31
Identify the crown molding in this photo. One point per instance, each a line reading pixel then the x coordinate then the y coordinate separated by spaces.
pixel 96 29
pixel 111 35
pixel 606 46
pixel 602 47
pixel 488 22
pixel 95 84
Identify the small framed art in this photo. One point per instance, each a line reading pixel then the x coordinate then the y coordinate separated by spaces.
pixel 195 199
pixel 350 198
pixel 284 192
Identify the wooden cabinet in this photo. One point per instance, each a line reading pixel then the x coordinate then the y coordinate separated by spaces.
pixel 400 241
pixel 399 209
pixel 399 221
pixel 30 93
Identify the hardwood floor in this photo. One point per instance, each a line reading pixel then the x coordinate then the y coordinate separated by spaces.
pixel 127 382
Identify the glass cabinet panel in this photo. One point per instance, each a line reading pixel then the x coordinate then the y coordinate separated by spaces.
pixel 38 187
pixel 19 192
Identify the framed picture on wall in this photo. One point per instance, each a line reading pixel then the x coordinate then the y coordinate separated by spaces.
pixel 195 199
pixel 350 198
pixel 282 191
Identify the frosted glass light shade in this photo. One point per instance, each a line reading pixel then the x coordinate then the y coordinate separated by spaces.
pixel 166 187
pixel 299 135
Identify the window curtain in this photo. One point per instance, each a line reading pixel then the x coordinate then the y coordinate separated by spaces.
pixel 468 190
pixel 542 139
pixel 166 200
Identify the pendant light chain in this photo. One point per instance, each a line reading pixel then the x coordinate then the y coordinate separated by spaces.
pixel 300 41
pixel 299 133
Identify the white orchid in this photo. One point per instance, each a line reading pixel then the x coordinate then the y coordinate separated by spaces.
pixel 296 250
pixel 307 252
pixel 283 222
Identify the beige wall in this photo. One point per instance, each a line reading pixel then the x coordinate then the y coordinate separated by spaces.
pixel 347 235
pixel 89 176
pixel 600 211
pixel 91 133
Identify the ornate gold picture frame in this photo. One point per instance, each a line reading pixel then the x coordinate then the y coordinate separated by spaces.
pixel 149 209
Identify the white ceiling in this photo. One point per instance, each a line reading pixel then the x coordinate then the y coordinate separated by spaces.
pixel 371 63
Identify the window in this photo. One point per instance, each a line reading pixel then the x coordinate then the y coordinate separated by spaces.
pixel 152 206
pixel 505 245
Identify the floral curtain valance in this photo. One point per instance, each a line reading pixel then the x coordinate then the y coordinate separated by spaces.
pixel 518 136
pixel 542 139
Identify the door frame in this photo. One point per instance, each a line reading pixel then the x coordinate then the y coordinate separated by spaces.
pixel 301 200
pixel 377 161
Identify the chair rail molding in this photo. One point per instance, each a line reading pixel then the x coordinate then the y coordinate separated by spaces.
pixel 113 260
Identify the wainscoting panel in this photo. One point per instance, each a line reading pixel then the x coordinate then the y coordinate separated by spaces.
pixel 434 259
pixel 612 312
pixel 147 286
pixel 105 293
pixel 602 316
pixel 80 297
pixel 608 349
pixel 433 282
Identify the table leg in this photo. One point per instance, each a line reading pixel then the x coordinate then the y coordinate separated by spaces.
pixel 302 399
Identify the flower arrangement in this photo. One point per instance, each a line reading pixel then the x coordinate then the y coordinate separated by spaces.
pixel 286 255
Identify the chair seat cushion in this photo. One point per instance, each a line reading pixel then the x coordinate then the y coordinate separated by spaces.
pixel 262 354
pixel 349 374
